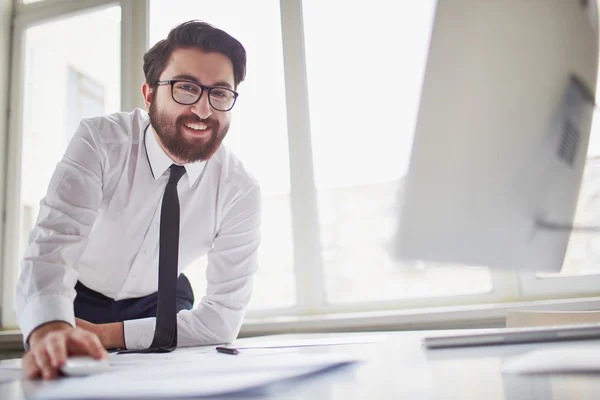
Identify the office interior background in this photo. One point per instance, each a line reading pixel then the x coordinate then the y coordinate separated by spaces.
pixel 324 120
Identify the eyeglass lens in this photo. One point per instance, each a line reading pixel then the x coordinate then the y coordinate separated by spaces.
pixel 219 98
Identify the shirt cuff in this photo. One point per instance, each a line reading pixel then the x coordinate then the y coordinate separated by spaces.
pixel 40 310
pixel 138 333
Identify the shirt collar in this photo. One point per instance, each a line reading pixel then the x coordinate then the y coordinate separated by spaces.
pixel 160 161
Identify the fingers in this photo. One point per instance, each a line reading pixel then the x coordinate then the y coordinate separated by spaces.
pixel 42 361
pixel 46 357
pixel 30 367
pixel 56 349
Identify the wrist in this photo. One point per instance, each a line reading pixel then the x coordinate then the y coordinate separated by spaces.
pixel 41 331
pixel 111 335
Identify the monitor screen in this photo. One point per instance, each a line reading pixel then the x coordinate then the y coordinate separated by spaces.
pixel 502 133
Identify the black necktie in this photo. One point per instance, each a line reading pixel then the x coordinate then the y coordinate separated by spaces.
pixel 165 333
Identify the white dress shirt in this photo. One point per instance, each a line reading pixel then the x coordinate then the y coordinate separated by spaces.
pixel 99 224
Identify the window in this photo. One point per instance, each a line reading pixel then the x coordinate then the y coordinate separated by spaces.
pixel 363 89
pixel 364 85
pixel 54 51
pixel 85 98
pixel 370 144
pixel 63 81
pixel 324 121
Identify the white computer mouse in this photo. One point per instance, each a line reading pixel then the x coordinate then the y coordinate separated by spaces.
pixel 85 365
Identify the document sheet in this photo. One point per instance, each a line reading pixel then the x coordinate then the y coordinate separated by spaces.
pixel 190 372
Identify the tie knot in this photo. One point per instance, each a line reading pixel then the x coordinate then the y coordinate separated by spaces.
pixel 177 172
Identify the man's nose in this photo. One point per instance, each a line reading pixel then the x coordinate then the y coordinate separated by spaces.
pixel 202 107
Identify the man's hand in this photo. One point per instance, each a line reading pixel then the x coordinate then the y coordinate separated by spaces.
pixel 51 344
pixel 110 335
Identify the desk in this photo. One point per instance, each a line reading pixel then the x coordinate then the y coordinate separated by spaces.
pixel 400 368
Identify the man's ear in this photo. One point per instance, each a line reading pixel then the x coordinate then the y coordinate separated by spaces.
pixel 148 95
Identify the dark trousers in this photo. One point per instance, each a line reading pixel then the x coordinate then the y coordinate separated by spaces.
pixel 97 308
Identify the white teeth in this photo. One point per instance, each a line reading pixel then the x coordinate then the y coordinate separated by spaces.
pixel 196 127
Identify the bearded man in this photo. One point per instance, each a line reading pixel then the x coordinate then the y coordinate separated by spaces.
pixel 136 198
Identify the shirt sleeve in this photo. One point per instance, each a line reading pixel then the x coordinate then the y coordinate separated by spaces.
pixel 232 263
pixel 45 289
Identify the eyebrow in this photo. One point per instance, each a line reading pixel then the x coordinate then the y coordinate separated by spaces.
pixel 195 80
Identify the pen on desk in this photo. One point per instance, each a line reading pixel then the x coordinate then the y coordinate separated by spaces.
pixel 227 350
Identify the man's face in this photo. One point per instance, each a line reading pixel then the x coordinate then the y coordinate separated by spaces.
pixel 194 132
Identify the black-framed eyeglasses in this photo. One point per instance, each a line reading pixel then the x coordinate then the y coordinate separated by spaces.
pixel 187 93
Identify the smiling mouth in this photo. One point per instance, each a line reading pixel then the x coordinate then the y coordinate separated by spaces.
pixel 197 127
pixel 198 130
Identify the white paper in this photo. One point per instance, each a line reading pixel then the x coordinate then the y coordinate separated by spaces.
pixel 12 363
pixel 181 354
pixel 208 374
pixel 180 386
pixel 555 360
pixel 265 343
pixel 10 370
pixel 10 374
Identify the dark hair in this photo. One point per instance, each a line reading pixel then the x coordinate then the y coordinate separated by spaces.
pixel 195 34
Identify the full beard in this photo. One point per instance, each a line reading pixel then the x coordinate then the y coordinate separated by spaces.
pixel 173 139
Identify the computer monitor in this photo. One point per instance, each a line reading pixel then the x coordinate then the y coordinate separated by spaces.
pixel 502 133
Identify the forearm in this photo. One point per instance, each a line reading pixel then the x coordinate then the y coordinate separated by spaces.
pixel 110 335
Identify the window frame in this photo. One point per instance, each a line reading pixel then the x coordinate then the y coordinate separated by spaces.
pixel 6 14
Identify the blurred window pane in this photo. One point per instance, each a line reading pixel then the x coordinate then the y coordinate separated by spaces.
pixel 362 143
pixel 72 71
